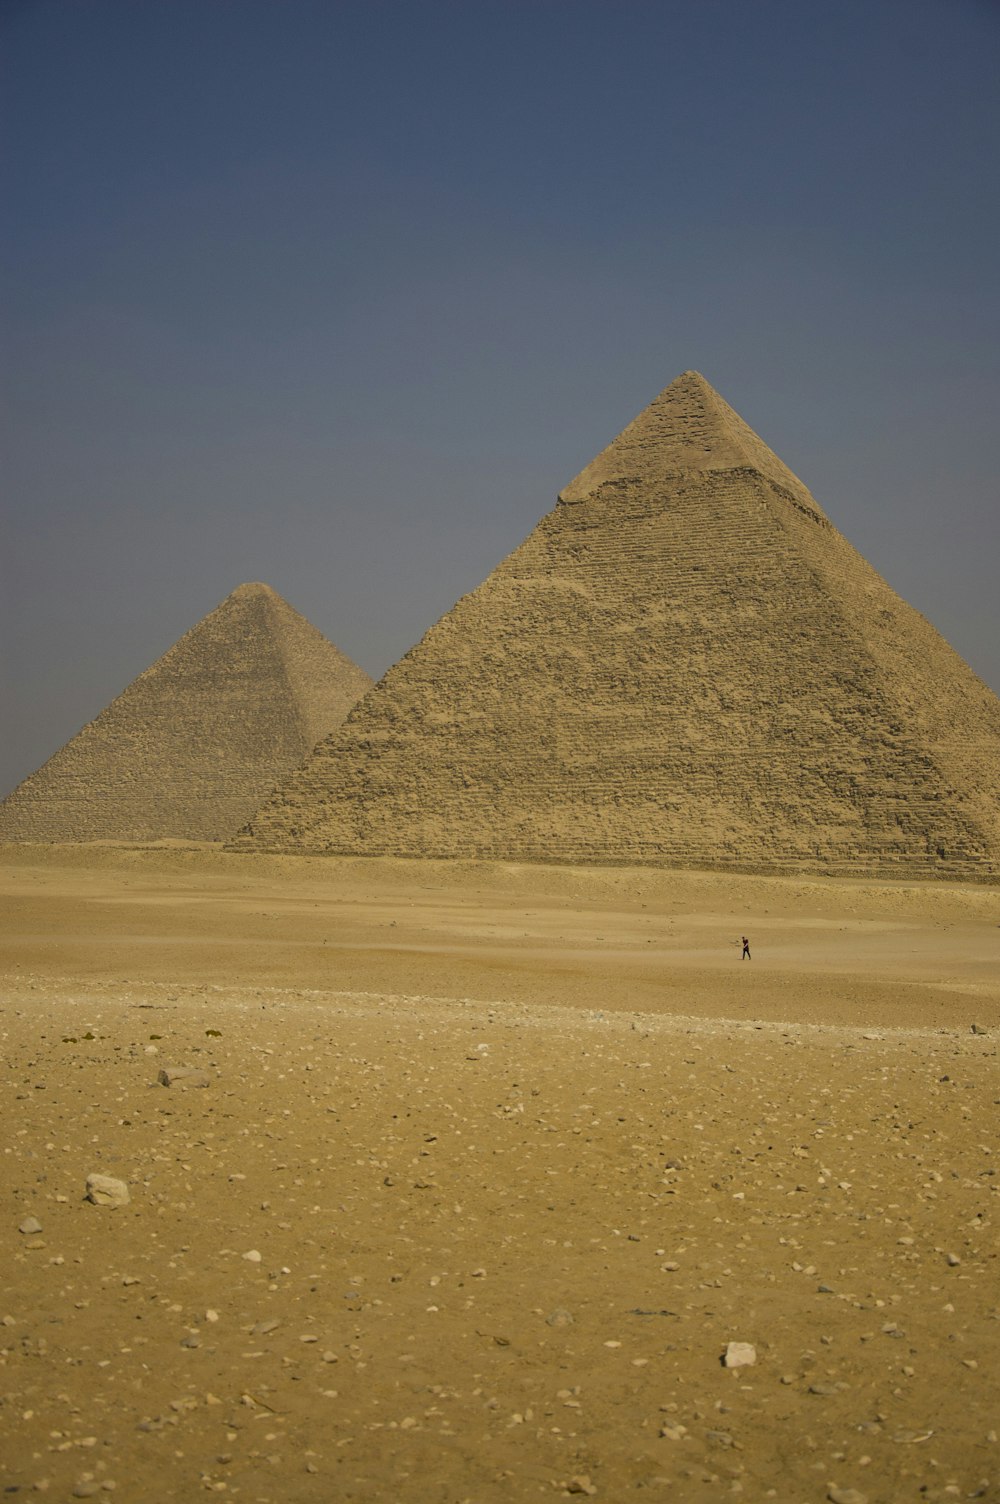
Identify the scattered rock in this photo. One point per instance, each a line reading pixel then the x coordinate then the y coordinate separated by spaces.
pixel 845 1495
pixel 253 1256
pixel 581 1484
pixel 978 1029
pixel 739 1355
pixel 29 1226
pixel 104 1190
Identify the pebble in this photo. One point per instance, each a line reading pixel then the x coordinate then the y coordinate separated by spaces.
pixel 739 1355
pixel 104 1190
pixel 580 1484
pixel 253 1256
pixel 845 1495
pixel 30 1225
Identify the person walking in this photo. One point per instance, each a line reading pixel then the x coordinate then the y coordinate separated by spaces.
pixel 746 949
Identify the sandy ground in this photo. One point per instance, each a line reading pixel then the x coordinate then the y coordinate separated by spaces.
pixel 517 1152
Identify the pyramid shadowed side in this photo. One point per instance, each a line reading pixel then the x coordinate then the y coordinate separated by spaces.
pixel 192 746
pixel 691 669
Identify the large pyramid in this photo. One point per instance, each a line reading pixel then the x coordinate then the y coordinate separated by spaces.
pixel 685 663
pixel 191 748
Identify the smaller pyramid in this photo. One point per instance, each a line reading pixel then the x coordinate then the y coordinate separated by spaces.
pixel 194 745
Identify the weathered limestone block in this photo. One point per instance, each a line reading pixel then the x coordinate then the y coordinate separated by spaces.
pixel 183 1075
pixel 105 1190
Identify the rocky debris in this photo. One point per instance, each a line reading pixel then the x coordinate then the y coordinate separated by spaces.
pixel 739 1355
pixel 183 1075
pixel 30 1226
pixel 565 1199
pixel 105 1190
pixel 845 1495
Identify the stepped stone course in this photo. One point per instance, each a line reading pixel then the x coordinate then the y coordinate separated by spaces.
pixel 193 745
pixel 684 663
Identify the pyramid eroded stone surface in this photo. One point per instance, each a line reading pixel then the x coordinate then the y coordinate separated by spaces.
pixel 193 745
pixel 684 663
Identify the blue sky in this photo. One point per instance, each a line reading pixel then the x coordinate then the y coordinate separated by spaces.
pixel 338 295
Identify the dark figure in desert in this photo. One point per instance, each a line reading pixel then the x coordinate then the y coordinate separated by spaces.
pixel 746 949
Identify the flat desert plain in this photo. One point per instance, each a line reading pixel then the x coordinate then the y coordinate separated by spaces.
pixel 492 1164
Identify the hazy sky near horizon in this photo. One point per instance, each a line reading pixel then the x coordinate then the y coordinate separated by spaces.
pixel 338 295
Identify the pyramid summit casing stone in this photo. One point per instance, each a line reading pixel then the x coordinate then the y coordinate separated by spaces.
pixel 193 745
pixel 684 663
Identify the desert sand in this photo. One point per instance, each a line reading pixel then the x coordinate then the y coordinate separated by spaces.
pixel 493 1163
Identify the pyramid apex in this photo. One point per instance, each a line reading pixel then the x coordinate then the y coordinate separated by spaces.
pixel 688 427
pixel 251 589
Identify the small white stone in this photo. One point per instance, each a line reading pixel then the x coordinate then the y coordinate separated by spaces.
pixel 253 1256
pixel 739 1354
